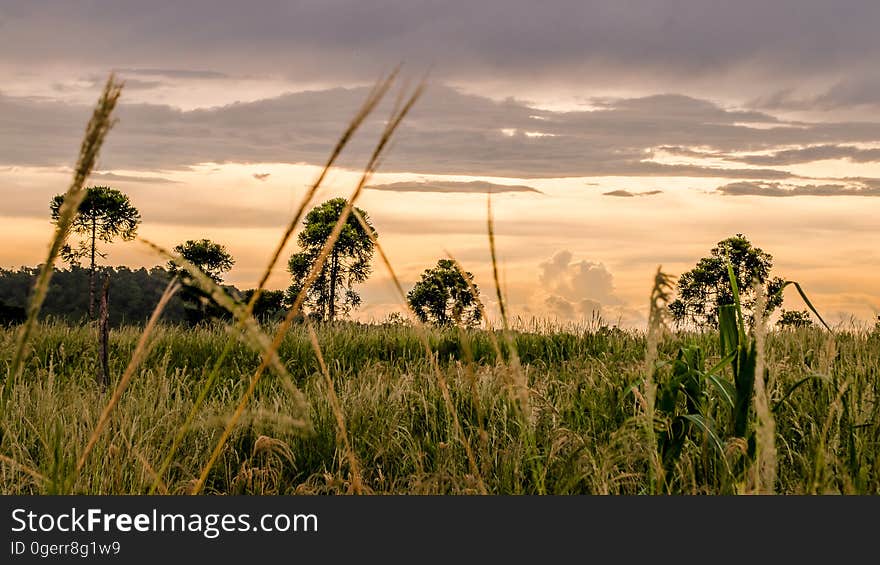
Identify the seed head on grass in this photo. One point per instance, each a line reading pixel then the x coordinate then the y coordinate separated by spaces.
pixel 765 431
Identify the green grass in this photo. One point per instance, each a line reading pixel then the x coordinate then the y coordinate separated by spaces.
pixel 584 433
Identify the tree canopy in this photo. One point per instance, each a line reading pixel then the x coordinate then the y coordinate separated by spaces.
pixel 707 286
pixel 332 293
pixel 443 297
pixel 211 258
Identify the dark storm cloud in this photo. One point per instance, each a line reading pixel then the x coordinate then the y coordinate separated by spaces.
pixel 448 132
pixel 446 186
pixel 864 188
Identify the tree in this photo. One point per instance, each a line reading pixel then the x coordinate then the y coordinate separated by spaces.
pixel 707 286
pixel 794 319
pixel 347 264
pixel 212 259
pixel 443 297
pixel 104 214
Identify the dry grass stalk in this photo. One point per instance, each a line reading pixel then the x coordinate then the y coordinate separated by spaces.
pixel 375 96
pixel 390 128
pixel 96 131
pixel 657 312
pixel 765 457
pixel 23 468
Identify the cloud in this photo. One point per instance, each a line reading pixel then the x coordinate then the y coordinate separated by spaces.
pixel 448 132
pixel 450 186
pixel 262 176
pixel 559 307
pixel 655 42
pixel 628 194
pixel 859 90
pixel 862 188
pixel 108 176
pixel 811 154
pixel 575 289
pixel 173 73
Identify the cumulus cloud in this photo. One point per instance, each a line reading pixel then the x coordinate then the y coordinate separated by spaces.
pixel 865 187
pixel 575 289
pixel 449 186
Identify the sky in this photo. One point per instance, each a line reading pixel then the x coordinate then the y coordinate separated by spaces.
pixel 615 136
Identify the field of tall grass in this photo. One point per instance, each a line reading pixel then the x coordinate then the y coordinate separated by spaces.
pixel 301 407
pixel 584 431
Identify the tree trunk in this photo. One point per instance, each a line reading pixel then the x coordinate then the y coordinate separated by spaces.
pixel 92 273
pixel 334 267
pixel 103 375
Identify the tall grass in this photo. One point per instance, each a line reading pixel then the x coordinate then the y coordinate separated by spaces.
pixel 588 436
pixel 408 408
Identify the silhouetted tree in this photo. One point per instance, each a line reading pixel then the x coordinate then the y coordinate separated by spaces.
pixel 347 264
pixel 212 259
pixel 104 215
pixel 707 286
pixel 443 297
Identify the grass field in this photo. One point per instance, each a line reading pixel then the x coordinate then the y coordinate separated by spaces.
pixel 583 432
pixel 395 408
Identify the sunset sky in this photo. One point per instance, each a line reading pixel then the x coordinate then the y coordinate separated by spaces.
pixel 616 135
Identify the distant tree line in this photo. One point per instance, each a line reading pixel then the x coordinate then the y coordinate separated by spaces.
pixel 133 295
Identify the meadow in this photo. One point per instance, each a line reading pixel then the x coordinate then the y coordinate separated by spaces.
pixel 299 406
pixel 584 432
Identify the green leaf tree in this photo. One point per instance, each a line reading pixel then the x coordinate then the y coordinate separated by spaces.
pixel 348 263
pixel 212 259
pixel 443 297
pixel 104 215
pixel 706 287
